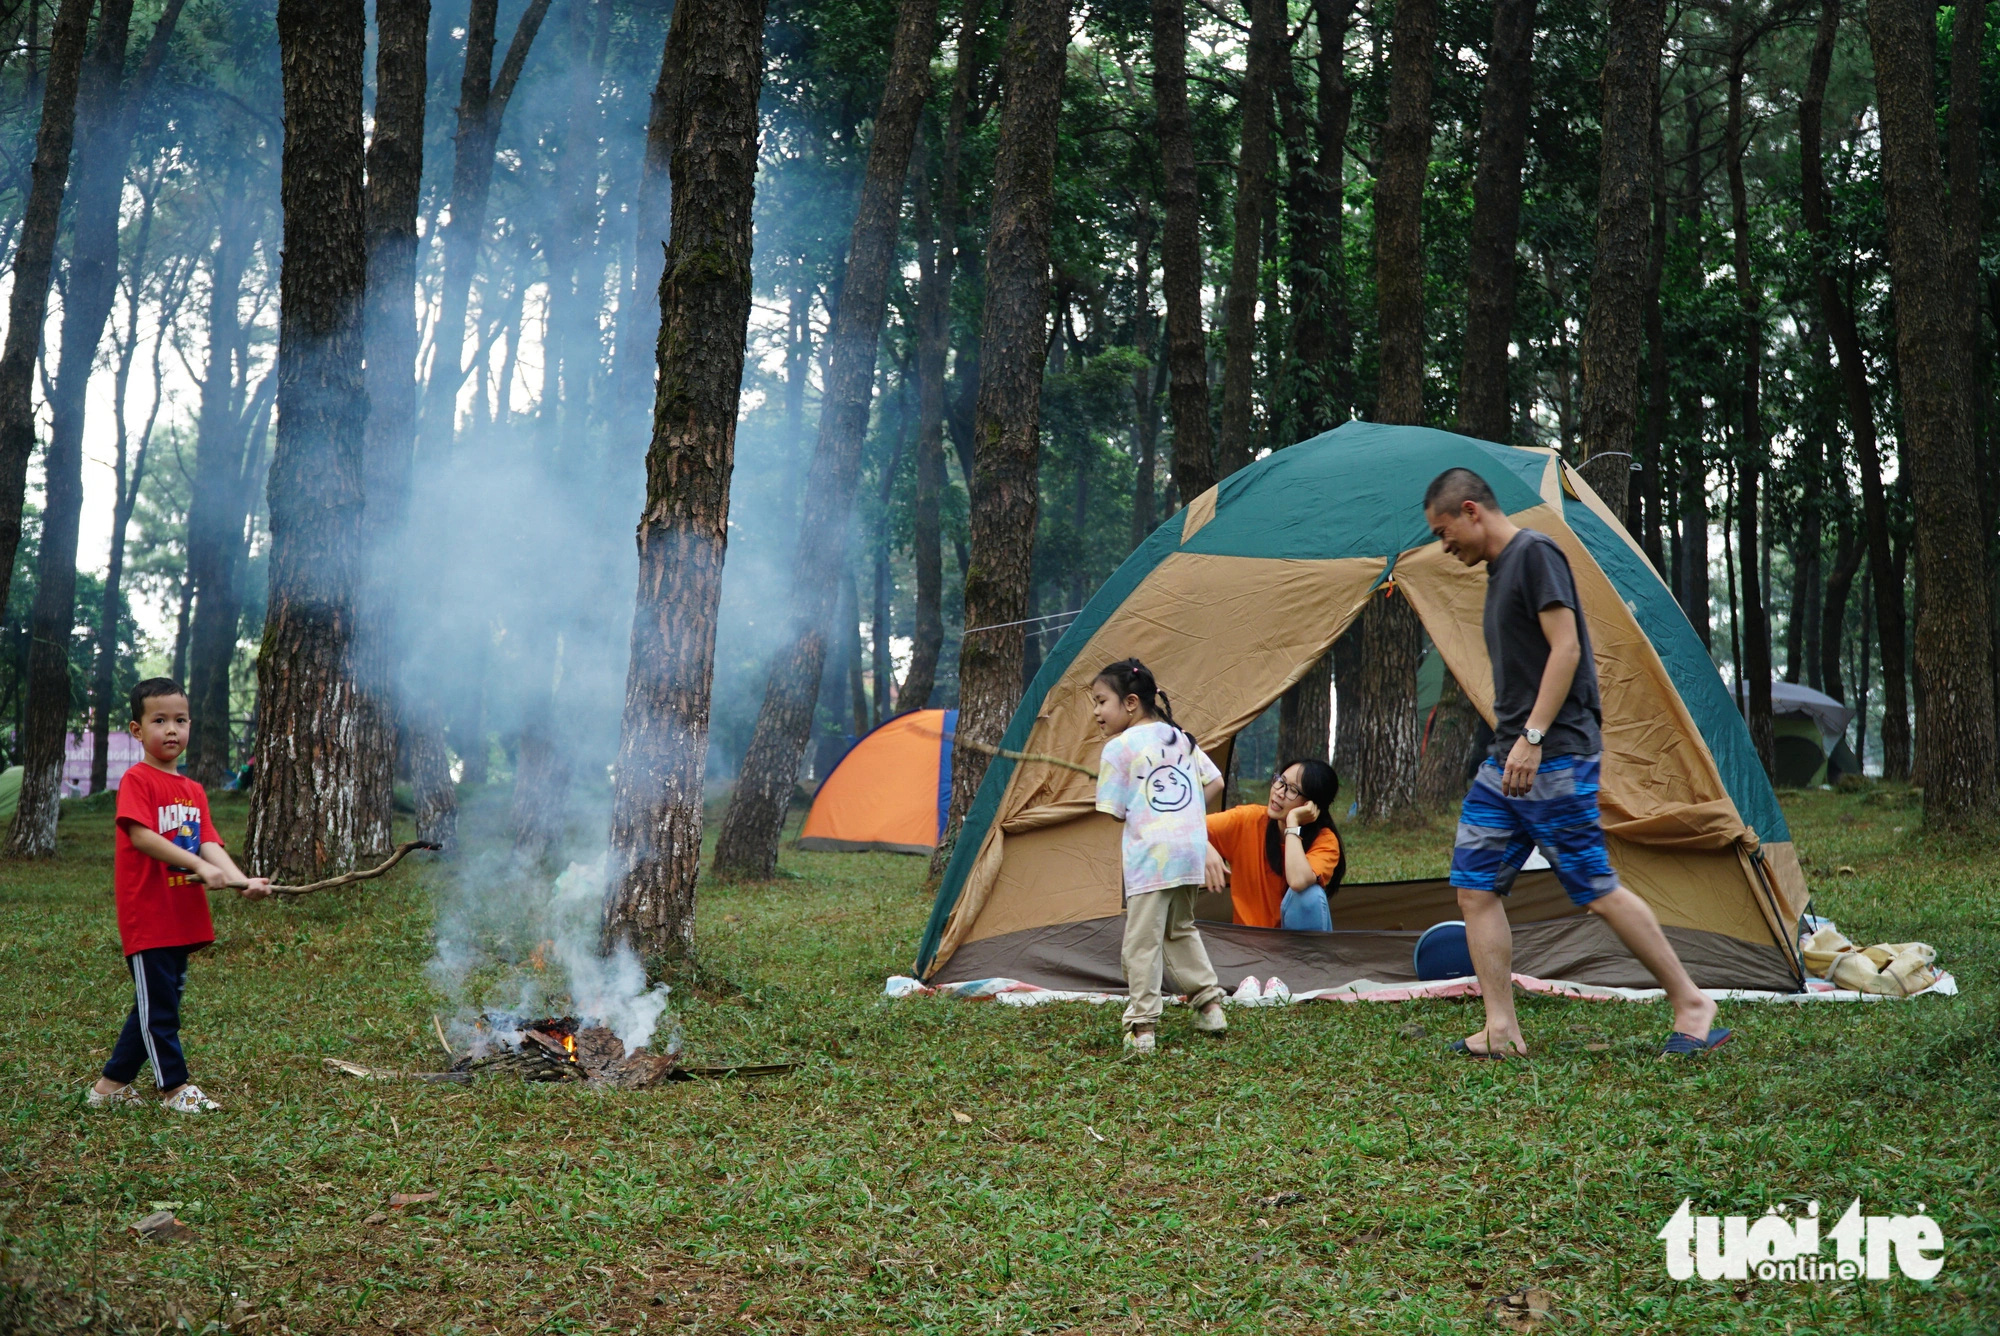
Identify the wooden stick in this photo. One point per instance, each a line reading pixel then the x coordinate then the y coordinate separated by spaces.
pixel 1012 755
pixel 293 892
pixel 1043 757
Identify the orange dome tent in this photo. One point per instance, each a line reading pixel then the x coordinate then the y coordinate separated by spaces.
pixel 890 791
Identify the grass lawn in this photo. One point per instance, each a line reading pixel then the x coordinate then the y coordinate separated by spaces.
pixel 942 1166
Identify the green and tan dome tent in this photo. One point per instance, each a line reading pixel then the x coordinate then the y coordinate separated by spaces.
pixel 1234 598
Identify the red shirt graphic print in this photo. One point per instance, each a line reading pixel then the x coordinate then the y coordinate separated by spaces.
pixel 158 904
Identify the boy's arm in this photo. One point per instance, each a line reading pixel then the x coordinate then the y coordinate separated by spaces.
pixel 254 888
pixel 155 845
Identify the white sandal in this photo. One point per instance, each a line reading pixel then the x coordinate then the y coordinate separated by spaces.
pixel 123 1095
pixel 189 1099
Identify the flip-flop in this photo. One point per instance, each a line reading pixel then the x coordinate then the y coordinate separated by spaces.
pixel 1680 1045
pixel 1458 1048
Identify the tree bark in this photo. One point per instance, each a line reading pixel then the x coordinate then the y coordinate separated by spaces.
pixel 395 166
pixel 1305 714
pixel 1953 634
pixel 1146 383
pixel 1180 257
pixel 1313 399
pixel 1399 193
pixel 1448 735
pixel 1838 313
pixel 34 257
pixel 747 844
pixel 1833 612
pixel 227 458
pixel 937 265
pixel 481 107
pixel 1375 672
pixel 707 129
pixel 1335 109
pixel 305 820
pixel 1652 451
pixel 1608 351
pixel 88 294
pixel 638 311
pixel 1751 458
pixel 128 473
pixel 1485 408
pixel 1375 662
pixel 1007 418
pixel 1253 188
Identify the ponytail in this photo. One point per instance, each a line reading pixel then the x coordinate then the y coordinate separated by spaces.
pixel 1129 677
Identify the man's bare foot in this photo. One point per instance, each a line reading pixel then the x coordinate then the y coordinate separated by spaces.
pixel 1696 1017
pixel 1489 1043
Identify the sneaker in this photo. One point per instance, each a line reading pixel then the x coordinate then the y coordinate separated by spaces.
pixel 189 1099
pixel 1140 1041
pixel 1210 1020
pixel 123 1096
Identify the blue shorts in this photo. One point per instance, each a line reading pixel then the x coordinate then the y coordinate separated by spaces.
pixel 1497 833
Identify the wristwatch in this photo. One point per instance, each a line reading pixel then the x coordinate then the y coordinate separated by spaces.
pixel 1534 736
pixel 1291 830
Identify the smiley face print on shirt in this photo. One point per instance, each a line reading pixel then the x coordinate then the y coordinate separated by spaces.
pixel 1168 788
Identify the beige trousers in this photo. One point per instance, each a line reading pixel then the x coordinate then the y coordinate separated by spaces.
pixel 1160 935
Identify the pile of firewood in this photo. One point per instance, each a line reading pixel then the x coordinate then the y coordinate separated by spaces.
pixel 560 1049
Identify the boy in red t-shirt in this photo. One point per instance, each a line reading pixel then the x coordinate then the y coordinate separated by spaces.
pixel 168 858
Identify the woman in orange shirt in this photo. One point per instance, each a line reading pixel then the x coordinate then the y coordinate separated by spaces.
pixel 1280 860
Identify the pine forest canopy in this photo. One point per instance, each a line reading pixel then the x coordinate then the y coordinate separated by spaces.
pixel 1735 260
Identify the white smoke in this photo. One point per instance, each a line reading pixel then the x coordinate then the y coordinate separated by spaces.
pixel 513 946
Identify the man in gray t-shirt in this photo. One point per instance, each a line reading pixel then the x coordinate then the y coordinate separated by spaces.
pixel 1539 784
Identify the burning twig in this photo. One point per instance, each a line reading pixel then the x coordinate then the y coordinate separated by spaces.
pixel 293 892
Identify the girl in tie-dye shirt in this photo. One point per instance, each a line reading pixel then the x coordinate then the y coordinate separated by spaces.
pixel 1155 779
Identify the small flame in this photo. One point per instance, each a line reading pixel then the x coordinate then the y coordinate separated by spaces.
pixel 569 1046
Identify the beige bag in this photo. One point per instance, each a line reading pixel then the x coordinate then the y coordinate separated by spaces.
pixel 1890 969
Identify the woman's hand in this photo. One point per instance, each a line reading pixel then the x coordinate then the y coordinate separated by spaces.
pixel 1217 875
pixel 1302 815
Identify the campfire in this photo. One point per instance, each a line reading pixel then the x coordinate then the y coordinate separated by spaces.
pixel 562 1048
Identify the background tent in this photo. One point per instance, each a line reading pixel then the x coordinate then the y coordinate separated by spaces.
pixel 1810 728
pixel 1234 598
pixel 890 791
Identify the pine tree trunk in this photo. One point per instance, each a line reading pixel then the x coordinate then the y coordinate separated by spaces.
pixel 128 473
pixel 638 313
pixel 1838 313
pixel 228 446
pixel 1485 408
pixel 1448 735
pixel 707 129
pixel 1375 672
pixel 1833 612
pixel 305 820
pixel 1608 351
pixel 747 844
pixel 481 107
pixel 1651 511
pixel 1399 195
pixel 1146 383
pixel 1375 664
pixel 395 166
pixel 1752 451
pixel 1305 714
pixel 1007 419
pixel 87 297
pixel 1180 257
pixel 34 257
pixel 1253 189
pixel 1953 633
pixel 1336 108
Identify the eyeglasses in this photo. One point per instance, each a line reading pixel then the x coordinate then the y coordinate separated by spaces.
pixel 1284 788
